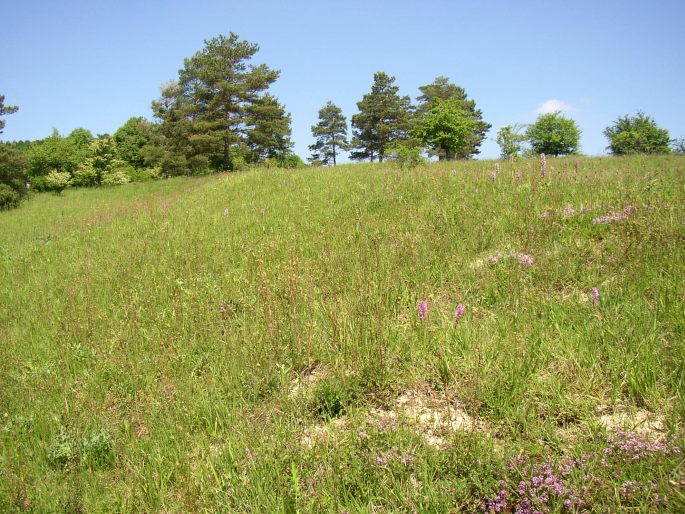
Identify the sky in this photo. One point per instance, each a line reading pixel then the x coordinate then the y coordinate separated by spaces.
pixel 94 64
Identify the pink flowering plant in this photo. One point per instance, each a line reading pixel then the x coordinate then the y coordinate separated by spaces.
pixel 620 472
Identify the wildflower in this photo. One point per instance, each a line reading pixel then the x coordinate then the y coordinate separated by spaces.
pixel 458 312
pixel 594 293
pixel 543 165
pixel 518 175
pixel 423 310
pixel 493 176
pixel 497 167
pixel 523 258
pixel 569 211
pixel 615 216
pixel 226 211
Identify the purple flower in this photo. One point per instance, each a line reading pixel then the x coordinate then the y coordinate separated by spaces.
pixel 423 310
pixel 594 293
pixel 543 165
pixel 493 175
pixel 458 312
pixel 615 216
pixel 523 258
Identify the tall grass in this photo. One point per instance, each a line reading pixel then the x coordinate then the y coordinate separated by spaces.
pixel 151 336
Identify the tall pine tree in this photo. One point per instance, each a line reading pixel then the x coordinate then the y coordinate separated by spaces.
pixel 384 118
pixel 330 134
pixel 442 90
pixel 219 108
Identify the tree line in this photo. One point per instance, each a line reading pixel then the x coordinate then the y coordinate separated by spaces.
pixel 218 115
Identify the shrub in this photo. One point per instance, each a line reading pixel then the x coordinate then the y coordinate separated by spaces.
pixel 115 175
pixel 57 181
pixel 86 175
pixel 407 156
pixel 636 134
pixel 8 197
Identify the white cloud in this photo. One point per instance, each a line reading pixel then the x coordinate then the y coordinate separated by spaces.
pixel 553 105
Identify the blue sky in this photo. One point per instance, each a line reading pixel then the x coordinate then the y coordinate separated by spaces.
pixel 94 64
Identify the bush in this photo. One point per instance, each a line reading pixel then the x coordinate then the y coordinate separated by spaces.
pixel 292 161
pixel 115 177
pixel 9 198
pixel 86 175
pixel 57 181
pixel 143 174
pixel 407 156
pixel 637 134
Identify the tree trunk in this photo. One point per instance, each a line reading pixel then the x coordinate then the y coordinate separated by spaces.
pixel 334 163
pixel 227 154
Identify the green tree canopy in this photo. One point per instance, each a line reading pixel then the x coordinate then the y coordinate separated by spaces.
pixel 510 140
pixel 64 154
pixel 131 139
pixel 12 167
pixel 384 117
pixel 4 110
pixel 12 176
pixel 330 133
pixel 442 90
pixel 269 137
pixel 554 134
pixel 208 115
pixel 447 128
pixel 637 134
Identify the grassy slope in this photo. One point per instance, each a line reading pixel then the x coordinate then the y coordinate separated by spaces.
pixel 174 316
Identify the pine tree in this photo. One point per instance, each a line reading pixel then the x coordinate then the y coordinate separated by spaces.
pixel 218 102
pixel 442 90
pixel 384 118
pixel 4 110
pixel 269 137
pixel 330 134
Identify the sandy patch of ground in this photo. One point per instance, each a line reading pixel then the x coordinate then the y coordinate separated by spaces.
pixel 433 416
pixel 638 420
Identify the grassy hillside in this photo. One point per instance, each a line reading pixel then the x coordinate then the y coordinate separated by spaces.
pixel 253 342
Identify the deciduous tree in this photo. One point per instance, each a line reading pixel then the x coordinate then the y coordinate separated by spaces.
pixel 510 140
pixel 131 139
pixel 442 90
pixel 447 128
pixel 637 134
pixel 554 134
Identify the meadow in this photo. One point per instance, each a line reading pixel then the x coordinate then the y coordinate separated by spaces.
pixel 460 337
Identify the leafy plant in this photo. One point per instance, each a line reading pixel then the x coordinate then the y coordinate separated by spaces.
pixel 57 181
pixel 553 134
pixel 637 134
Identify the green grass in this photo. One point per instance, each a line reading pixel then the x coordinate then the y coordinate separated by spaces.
pixel 151 334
